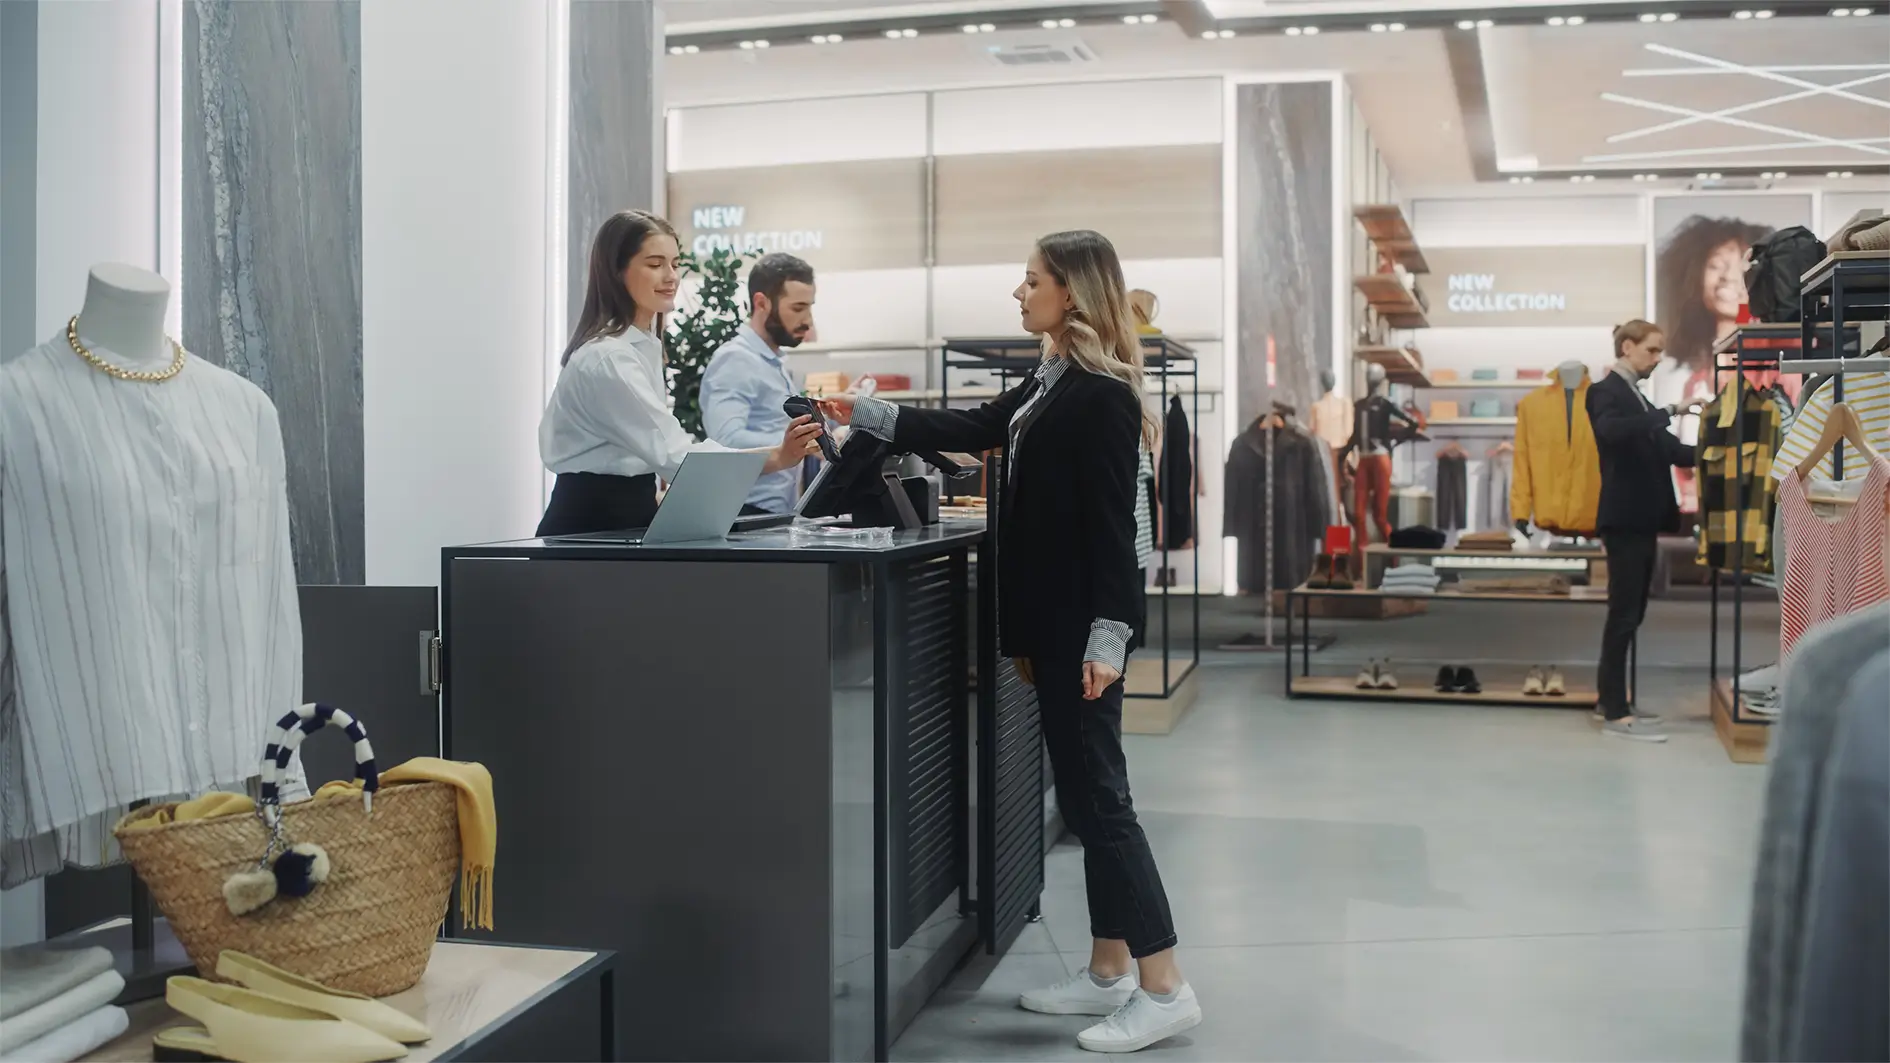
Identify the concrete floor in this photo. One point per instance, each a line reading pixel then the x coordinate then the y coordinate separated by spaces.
pixel 1366 881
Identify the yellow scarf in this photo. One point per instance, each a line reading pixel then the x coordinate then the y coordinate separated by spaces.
pixel 478 825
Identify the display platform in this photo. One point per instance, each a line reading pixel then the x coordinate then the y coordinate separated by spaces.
pixel 1147 710
pixel 482 1002
pixel 1745 739
pixel 748 764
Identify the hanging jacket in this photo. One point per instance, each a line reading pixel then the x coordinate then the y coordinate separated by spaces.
pixel 1557 481
pixel 1177 482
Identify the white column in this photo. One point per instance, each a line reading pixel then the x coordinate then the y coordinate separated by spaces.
pixel 455 98
pixel 98 195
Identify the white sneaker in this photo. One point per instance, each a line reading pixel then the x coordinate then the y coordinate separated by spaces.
pixel 1143 1021
pixel 1079 996
pixel 1634 729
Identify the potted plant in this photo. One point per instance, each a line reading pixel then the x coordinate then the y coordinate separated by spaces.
pixel 711 313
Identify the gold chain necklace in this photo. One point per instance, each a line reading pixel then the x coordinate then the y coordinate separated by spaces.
pixel 156 376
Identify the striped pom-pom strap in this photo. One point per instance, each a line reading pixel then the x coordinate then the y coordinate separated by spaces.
pixel 305 721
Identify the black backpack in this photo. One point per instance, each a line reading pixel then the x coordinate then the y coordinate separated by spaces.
pixel 1778 261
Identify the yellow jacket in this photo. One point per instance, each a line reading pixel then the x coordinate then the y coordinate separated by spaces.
pixel 1557 478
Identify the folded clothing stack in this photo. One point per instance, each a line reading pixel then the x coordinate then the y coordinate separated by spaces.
pixel 1758 690
pixel 1408 579
pixel 55 1004
pixel 1496 541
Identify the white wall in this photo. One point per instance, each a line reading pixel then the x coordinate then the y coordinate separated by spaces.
pixel 98 148
pixel 455 247
pixel 1074 116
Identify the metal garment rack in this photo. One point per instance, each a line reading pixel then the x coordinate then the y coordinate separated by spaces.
pixel 1167 361
pixel 1836 294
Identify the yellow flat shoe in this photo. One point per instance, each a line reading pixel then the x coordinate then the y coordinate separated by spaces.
pixel 389 1022
pixel 245 1026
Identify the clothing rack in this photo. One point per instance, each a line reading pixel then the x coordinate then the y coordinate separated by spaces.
pixel 1169 365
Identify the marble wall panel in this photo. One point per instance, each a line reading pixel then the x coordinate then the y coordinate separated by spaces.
pixel 616 141
pixel 1285 243
pixel 272 242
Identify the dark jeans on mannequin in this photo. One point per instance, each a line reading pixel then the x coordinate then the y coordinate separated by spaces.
pixel 1084 739
pixel 1631 560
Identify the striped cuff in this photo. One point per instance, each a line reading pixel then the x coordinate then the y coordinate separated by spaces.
pixel 875 417
pixel 1108 643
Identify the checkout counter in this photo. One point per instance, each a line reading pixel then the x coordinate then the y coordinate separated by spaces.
pixel 751 767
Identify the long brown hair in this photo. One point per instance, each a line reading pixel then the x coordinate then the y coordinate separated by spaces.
pixel 1680 271
pixel 608 308
pixel 1100 332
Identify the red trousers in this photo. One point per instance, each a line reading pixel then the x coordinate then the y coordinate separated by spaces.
pixel 1371 492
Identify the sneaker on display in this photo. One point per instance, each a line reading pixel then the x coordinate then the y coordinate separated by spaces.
pixel 1645 717
pixel 1367 676
pixel 1446 680
pixel 1634 729
pixel 1080 995
pixel 1143 1021
pixel 1467 682
pixel 1553 684
pixel 1532 684
pixel 1384 680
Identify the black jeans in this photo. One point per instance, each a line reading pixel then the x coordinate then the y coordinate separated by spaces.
pixel 1084 738
pixel 1630 576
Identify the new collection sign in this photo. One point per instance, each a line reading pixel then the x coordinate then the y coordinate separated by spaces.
pixel 1536 286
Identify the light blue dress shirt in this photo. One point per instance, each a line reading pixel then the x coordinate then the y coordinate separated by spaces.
pixel 741 397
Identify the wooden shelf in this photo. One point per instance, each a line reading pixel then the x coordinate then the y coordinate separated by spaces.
pixel 1745 741
pixel 1388 295
pixel 1462 384
pixel 1417 687
pixel 1540 555
pixel 1452 596
pixel 1401 366
pixel 1385 226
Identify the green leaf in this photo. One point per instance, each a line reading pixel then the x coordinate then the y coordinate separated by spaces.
pixel 695 336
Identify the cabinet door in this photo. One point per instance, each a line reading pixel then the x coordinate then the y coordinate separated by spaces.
pixel 365 649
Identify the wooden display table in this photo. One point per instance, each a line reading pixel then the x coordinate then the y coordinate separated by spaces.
pixel 482 1002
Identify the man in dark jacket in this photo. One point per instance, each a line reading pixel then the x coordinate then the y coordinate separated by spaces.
pixel 1638 455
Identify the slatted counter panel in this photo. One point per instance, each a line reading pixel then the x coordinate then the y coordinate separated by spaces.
pixel 1011 875
pixel 928 751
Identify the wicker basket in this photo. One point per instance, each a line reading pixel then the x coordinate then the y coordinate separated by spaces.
pixel 368 929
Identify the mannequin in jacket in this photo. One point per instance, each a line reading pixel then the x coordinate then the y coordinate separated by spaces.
pixel 1372 441
pixel 1571 373
pixel 1637 454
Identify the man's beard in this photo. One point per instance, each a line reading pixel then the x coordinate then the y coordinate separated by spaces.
pixel 778 333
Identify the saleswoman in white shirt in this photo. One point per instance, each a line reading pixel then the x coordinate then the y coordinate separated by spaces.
pixel 608 432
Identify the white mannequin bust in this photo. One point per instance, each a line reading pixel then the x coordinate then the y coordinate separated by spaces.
pixel 1571 373
pixel 124 315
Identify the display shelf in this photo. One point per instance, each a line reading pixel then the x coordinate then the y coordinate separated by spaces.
pixel 1333 686
pixel 1395 303
pixel 1024 352
pixel 1449 596
pixel 1472 422
pixel 1772 341
pixel 1745 740
pixel 1866 269
pixel 1461 384
pixel 1402 366
pixel 1385 226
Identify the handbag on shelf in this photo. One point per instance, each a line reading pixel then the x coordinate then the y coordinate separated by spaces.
pixel 388 861
pixel 1486 408
pixel 1444 410
pixel 1443 376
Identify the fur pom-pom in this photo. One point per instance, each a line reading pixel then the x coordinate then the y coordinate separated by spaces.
pixel 301 869
pixel 247 891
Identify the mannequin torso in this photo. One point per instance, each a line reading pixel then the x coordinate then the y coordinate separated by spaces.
pixel 124 314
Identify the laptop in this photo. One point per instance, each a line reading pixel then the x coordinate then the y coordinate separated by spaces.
pixel 701 504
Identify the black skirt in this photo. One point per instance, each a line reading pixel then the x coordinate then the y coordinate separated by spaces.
pixel 583 502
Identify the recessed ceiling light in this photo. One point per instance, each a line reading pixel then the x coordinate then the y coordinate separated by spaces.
pixel 1226 34
pixel 1130 20
pixel 748 46
pixel 1574 179
pixel 1557 20
pixel 1576 20
pixel 1467 24
pixel 1840 12
pixel 1312 31
pixel 1650 18
pixel 691 49
pixel 892 35
pixel 983 27
pixel 908 33
pixel 1485 23
pixel 1669 16
pixel 1378 27
pixel 1846 173
pixel 1716 175
pixel 761 44
pixel 1397 27
pixel 970 29
pixel 1150 19
pixel 1529 180
pixel 1049 23
pixel 1066 23
pixel 1742 14
pixel 1762 14
pixel 1701 176
pixel 675 49
pixel 1859 12
pixel 1291 31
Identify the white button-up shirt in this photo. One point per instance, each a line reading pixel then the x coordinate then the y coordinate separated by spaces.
pixel 149 628
pixel 610 412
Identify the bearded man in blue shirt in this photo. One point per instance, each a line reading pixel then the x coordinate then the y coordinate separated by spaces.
pixel 746 382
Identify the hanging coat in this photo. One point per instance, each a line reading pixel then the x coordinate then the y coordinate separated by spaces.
pixel 1300 509
pixel 1177 481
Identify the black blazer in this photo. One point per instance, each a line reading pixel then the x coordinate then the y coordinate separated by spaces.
pixel 1065 524
pixel 1638 455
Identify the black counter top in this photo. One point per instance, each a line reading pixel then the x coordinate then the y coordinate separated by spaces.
pixel 772 544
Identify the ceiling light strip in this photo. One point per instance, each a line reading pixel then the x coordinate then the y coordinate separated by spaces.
pixel 1814 138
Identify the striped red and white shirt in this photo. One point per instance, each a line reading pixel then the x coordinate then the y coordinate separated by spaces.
pixel 1832 567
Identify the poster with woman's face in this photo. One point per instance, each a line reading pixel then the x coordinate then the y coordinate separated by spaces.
pixel 1700 246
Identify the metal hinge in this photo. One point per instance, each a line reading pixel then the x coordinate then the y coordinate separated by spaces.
pixel 432 677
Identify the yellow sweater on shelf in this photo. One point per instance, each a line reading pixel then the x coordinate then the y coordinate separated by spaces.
pixel 1557 471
